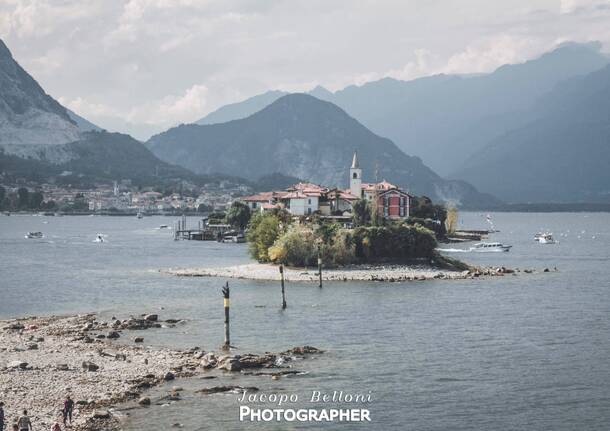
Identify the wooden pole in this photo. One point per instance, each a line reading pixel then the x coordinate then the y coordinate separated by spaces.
pixel 283 291
pixel 225 294
pixel 320 266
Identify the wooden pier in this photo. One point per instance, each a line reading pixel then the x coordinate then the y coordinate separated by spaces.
pixel 203 232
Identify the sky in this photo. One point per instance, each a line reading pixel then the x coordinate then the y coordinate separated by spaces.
pixel 142 66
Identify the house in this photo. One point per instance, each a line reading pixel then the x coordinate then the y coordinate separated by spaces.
pixel 304 199
pixel 392 202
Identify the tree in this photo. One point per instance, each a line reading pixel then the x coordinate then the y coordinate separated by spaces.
pixel 264 229
pixel 35 199
pixel 238 215
pixel 23 198
pixel 361 212
pixel 2 196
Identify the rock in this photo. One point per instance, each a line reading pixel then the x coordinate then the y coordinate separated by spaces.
pixel 169 376
pixel 62 367
pixel 151 317
pixel 100 336
pixel 208 361
pixel 120 357
pixel 88 339
pixel 15 327
pixel 17 364
pixel 101 414
pixel 39 339
pixel 231 364
pixel 32 346
pixel 304 350
pixel 90 366
pixel 546 270
pixel 144 401
pixel 172 321
pixel 138 339
pixel 177 425
pixel 87 327
pixel 113 334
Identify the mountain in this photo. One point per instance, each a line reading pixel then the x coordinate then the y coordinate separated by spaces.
pixel 302 136
pixel 83 124
pixel 29 116
pixel 235 111
pixel 561 155
pixel 40 140
pixel 445 119
pixel 97 157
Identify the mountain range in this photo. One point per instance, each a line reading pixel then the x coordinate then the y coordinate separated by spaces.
pixel 308 138
pixel 466 127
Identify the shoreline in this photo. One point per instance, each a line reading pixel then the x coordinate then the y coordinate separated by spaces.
pixel 43 359
pixel 386 273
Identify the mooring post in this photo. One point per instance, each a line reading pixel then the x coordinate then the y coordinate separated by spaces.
pixel 225 294
pixel 320 266
pixel 283 292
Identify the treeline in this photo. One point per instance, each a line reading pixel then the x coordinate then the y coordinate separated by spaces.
pixel 22 200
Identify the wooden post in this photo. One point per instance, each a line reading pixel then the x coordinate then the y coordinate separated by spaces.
pixel 283 292
pixel 225 294
pixel 320 266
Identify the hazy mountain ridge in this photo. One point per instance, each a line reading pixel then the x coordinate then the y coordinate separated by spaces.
pixel 302 136
pixel 561 155
pixel 445 119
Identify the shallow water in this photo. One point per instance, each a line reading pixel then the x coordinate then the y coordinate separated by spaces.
pixel 511 353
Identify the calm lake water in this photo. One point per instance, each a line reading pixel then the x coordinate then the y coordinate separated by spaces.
pixel 526 352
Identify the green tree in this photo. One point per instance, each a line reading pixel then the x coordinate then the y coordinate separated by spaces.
pixel 35 199
pixel 23 198
pixel 238 215
pixel 2 197
pixel 361 213
pixel 264 229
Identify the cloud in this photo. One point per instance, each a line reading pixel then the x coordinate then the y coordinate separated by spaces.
pixel 488 54
pixel 172 110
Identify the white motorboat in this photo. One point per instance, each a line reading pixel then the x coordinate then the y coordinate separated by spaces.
pixel 100 237
pixel 34 235
pixel 546 238
pixel 489 247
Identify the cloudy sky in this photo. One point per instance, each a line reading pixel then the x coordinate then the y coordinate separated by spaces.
pixel 141 66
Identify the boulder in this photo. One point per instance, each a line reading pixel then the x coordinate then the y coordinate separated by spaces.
pixel 62 367
pixel 101 414
pixel 169 376
pixel 138 339
pixel 151 317
pixel 90 366
pixel 32 346
pixel 15 327
pixel 208 361
pixel 17 365
pixel 113 334
pixel 144 401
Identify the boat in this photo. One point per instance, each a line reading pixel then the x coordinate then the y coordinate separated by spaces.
pixel 99 238
pixel 488 247
pixel 163 226
pixel 140 215
pixel 34 235
pixel 234 236
pixel 546 238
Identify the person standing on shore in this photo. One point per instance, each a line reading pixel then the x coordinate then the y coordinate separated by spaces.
pixel 24 422
pixel 68 408
pixel 1 416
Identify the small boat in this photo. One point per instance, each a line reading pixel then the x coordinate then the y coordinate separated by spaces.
pixel 488 247
pixel 234 236
pixel 100 238
pixel 140 215
pixel 546 238
pixel 34 235
pixel 163 226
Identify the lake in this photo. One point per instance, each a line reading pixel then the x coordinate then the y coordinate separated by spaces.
pixel 523 352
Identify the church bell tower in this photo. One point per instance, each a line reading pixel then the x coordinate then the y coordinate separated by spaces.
pixel 355 177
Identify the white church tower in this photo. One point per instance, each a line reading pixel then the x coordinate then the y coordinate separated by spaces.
pixel 355 177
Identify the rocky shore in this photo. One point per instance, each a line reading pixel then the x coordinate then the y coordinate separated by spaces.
pixel 386 273
pixel 43 359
